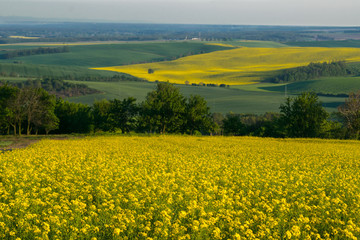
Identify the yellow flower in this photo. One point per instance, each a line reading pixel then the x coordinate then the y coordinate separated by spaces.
pixel 117 231
pixel 295 230
pixel 288 235
pixel 237 236
pixel 217 233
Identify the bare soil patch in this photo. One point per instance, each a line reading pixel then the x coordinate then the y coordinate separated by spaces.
pixel 9 143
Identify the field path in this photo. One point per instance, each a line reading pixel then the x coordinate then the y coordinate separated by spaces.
pixel 25 141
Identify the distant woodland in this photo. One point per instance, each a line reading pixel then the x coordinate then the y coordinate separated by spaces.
pixel 314 71
pixel 57 87
pixel 33 51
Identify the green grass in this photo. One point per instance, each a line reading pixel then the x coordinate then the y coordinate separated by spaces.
pixel 33 70
pixel 344 43
pixel 326 85
pixel 5 143
pixel 16 47
pixel 102 55
pixel 221 100
pixel 14 79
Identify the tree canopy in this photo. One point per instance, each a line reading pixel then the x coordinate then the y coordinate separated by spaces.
pixel 164 108
pixel 350 111
pixel 303 116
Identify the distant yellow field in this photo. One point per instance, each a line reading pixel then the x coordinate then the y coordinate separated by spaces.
pixel 221 44
pixel 23 37
pixel 236 66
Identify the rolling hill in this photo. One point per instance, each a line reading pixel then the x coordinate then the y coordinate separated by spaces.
pixel 236 66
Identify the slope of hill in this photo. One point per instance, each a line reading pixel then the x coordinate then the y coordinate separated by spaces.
pixel 332 86
pixel 121 53
pixel 221 100
pixel 236 66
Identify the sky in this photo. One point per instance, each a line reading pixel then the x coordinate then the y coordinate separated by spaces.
pixel 237 12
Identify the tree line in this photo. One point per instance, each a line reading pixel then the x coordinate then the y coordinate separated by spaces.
pixel 302 116
pixel 26 110
pixel 33 51
pixel 313 71
pixel 33 110
pixel 57 87
pixel 166 110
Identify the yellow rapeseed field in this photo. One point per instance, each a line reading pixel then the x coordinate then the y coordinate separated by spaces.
pixel 23 37
pixel 179 187
pixel 236 66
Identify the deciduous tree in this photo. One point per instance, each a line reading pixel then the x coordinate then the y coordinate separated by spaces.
pixel 303 116
pixel 73 117
pixel 350 111
pixel 233 125
pixel 164 108
pixel 123 114
pixel 101 115
pixel 8 97
pixel 198 116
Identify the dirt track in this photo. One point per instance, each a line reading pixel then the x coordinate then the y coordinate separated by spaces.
pixel 24 141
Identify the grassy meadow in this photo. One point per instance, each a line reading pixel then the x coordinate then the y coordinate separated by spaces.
pixel 178 187
pixel 325 85
pixel 239 99
pixel 236 66
pixel 221 100
pixel 25 70
pixel 101 55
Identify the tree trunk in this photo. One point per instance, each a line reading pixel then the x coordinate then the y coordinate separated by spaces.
pixel 28 128
pixel 20 128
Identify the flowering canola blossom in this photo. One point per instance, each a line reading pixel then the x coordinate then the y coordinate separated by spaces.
pixel 236 66
pixel 179 187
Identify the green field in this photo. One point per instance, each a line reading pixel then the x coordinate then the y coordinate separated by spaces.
pixel 238 99
pixel 34 70
pixel 326 85
pixel 101 55
pixel 6 47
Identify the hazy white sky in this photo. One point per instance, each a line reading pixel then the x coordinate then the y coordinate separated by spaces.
pixel 255 12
